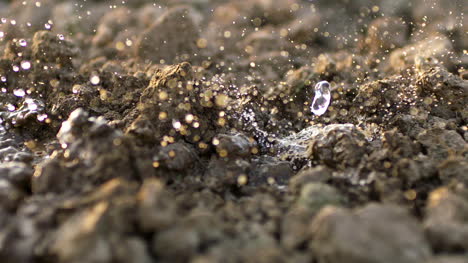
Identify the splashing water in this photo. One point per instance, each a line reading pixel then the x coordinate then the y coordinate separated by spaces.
pixel 321 99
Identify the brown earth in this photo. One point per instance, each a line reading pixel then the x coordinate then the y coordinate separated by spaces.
pixel 181 131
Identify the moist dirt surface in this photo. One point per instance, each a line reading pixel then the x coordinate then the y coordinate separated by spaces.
pixel 182 131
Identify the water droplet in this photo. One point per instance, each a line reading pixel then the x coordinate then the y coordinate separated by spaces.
pixel 15 68
pixel 95 79
pixel 2 34
pixel 23 42
pixel 128 42
pixel 3 78
pixel 19 92
pixel 60 36
pixel 42 117
pixel 176 124
pixel 47 26
pixel 32 106
pixel 321 99
pixel 25 65
pixel 11 107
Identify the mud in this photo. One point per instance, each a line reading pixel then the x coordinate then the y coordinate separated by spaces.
pixel 182 131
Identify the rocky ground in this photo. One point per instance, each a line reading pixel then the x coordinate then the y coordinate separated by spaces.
pixel 181 131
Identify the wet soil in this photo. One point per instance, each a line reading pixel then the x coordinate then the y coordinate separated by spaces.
pixel 182 131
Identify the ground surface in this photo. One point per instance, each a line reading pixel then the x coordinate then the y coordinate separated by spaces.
pixel 181 131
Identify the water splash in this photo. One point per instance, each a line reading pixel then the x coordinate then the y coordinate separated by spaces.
pixel 322 98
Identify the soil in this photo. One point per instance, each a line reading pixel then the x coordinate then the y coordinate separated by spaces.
pixel 181 131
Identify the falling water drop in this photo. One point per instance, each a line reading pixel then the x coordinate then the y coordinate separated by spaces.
pixel 23 42
pixel 94 79
pixel 19 92
pixel 25 65
pixel 321 99
pixel 11 107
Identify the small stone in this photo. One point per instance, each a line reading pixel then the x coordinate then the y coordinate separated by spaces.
pixel 440 142
pixel 177 156
pixel 156 211
pixel 446 223
pixel 17 173
pixel 314 196
pixel 235 145
pixel 176 244
pixel 374 234
pixel 317 174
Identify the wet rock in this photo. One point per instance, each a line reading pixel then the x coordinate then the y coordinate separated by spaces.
pixel 51 48
pixel 177 156
pixel 337 145
pixel 171 38
pixel 375 233
pixel 98 149
pixel 224 172
pixel 270 171
pixel 440 142
pixel 382 99
pixel 29 116
pixel 175 105
pixel 446 222
pixel 236 145
pixel 445 94
pixel 15 153
pixel 301 147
